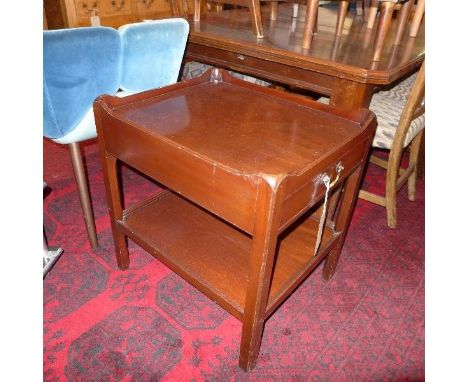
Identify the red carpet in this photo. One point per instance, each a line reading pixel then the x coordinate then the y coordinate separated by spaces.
pixel 147 324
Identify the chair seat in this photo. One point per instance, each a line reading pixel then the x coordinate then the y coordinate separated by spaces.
pixel 388 111
pixel 86 128
pixel 401 90
pixel 388 106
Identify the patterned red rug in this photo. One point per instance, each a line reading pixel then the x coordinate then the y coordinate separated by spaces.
pixel 147 324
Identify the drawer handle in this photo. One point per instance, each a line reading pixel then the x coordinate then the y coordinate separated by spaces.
pixel 147 3
pixel 241 57
pixel 84 5
pixel 325 178
pixel 118 7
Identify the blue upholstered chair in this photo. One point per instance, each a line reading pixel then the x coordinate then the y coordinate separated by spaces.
pixel 82 63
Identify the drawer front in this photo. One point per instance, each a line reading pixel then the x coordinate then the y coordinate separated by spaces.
pixel 228 195
pixel 305 190
pixel 265 68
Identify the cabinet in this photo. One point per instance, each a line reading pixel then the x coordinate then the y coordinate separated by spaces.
pixel 112 13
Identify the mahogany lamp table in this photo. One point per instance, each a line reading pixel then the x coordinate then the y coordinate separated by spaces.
pixel 245 171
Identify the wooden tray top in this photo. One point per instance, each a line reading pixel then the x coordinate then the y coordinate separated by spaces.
pixel 262 132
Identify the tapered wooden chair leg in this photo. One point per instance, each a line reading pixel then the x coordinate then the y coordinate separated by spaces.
pixel 365 8
pixel 372 14
pixel 418 15
pixel 391 183
pixel 83 192
pixel 256 18
pixel 174 8
pixel 384 25
pixel 196 10
pixel 413 161
pixel 391 210
pixel 273 10
pixel 310 22
pixel 341 17
pixel 359 6
pixel 403 15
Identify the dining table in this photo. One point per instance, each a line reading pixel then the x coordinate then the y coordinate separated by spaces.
pixel 340 66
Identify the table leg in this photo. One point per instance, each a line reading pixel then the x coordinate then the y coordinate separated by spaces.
pixel 115 210
pixel 343 219
pixel 267 220
pixel 350 95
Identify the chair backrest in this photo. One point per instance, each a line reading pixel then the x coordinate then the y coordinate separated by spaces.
pixel 152 53
pixel 413 107
pixel 82 63
pixel 79 64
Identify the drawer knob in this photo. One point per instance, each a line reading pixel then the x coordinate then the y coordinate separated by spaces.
pixel 118 7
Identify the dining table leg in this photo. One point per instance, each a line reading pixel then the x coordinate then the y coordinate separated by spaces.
pixel 350 95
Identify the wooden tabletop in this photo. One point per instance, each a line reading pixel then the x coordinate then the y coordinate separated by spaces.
pixel 273 135
pixel 347 57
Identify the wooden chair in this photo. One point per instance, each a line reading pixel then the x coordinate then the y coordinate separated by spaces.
pixel 400 117
pixel 367 8
pixel 386 12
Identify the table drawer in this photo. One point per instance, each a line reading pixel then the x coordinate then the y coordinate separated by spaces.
pixel 261 67
pixel 305 190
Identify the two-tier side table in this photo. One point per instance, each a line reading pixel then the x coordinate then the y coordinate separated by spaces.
pixel 247 173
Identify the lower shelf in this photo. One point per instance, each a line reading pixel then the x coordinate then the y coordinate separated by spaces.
pixel 213 255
